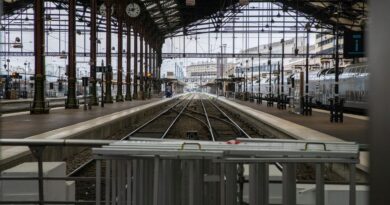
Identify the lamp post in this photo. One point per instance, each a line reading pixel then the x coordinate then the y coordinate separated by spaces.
pixel 25 80
pixel 101 83
pixel 252 80
pixel 246 77
pixel 7 83
pixel 8 65
pixel 242 71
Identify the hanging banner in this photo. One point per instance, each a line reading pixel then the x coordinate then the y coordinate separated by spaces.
pixel 190 2
pixel 243 2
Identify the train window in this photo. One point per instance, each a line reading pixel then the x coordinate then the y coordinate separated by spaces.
pixel 60 86
pixel 365 69
pixel 322 72
pixel 359 70
pixel 331 71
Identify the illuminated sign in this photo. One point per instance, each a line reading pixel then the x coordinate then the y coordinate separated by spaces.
pixel 354 44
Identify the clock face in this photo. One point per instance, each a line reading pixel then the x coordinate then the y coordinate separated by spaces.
pixel 103 10
pixel 133 10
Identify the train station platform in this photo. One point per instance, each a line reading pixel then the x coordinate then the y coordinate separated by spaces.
pixel 354 128
pixel 316 127
pixel 23 125
pixel 62 124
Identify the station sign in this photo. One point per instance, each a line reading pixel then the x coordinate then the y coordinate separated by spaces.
pixel 354 44
pixel 103 69
pixel 85 81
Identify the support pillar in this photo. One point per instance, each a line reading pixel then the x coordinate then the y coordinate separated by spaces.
pixel 154 63
pixel 39 104
pixel 71 101
pixel 119 94
pixel 379 49
pixel 150 76
pixel 306 102
pixel 158 72
pixel 142 75
pixel 289 184
pixel 146 94
pixel 92 88
pixel 128 64
pixel 258 184
pixel 154 71
pixel 108 96
pixel 135 89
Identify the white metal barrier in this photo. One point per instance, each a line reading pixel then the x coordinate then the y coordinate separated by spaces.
pixel 174 172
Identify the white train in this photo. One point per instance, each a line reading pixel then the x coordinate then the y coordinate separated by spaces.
pixel 353 86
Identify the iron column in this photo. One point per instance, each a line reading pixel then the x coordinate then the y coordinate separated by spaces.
pixel 306 103
pixel 141 59
pixel 39 104
pixel 150 72
pixel 119 95
pixel 71 102
pixel 135 89
pixel 108 97
pixel 337 68
pixel 146 69
pixel 128 64
pixel 93 40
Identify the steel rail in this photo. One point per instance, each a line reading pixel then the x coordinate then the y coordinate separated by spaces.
pixel 208 120
pixel 227 122
pixel 211 117
pixel 231 120
pixel 81 167
pixel 152 120
pixel 177 117
pixel 195 118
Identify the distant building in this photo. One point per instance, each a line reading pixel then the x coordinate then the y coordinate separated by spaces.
pixel 204 72
pixel 173 70
pixel 244 65
pixel 326 44
pixel 203 69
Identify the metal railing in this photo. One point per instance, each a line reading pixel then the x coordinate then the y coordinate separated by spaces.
pixel 37 148
pixel 178 172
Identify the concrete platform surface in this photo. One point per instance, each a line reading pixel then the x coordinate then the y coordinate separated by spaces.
pixel 352 129
pixel 316 127
pixel 23 126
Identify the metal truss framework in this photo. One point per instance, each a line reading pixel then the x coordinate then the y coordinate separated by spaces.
pixel 169 18
pixel 180 55
pixel 160 19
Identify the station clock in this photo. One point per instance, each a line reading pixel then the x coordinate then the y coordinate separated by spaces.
pixel 133 10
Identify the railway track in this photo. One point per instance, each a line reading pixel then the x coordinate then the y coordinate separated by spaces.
pixel 196 114
pixel 193 110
